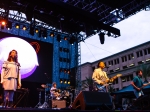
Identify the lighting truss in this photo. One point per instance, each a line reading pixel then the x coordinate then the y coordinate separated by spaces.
pixel 107 14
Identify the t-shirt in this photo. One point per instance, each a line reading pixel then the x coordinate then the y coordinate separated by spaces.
pixel 137 81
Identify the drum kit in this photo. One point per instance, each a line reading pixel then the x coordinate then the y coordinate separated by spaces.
pixel 63 95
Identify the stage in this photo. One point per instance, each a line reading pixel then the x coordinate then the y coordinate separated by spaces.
pixel 62 110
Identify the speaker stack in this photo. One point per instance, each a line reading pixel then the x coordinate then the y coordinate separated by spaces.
pixel 92 100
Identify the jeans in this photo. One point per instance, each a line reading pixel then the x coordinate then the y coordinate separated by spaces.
pixel 8 95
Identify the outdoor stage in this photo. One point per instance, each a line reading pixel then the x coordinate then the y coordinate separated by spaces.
pixel 63 110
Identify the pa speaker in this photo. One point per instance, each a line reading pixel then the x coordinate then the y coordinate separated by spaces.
pixel 87 100
pixel 142 103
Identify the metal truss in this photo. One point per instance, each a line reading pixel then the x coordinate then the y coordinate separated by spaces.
pixel 109 15
pixel 56 46
pixel 78 72
pixel 126 11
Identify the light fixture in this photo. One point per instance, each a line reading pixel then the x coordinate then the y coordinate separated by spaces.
pixel 17 26
pixel 3 23
pixel 101 37
pixel 65 38
pixel 68 81
pixel 52 34
pixel 24 27
pixel 61 81
pixel 36 30
pixel 65 81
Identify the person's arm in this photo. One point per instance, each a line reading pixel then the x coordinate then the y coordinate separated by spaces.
pixel 19 81
pixel 95 79
pixel 133 84
pixel 2 72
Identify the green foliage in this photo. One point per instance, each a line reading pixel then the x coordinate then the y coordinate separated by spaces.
pixel 87 83
pixel 146 70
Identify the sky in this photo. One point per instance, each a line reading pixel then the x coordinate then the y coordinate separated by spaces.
pixel 134 30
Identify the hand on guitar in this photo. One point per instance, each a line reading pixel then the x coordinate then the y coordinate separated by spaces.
pixel 138 89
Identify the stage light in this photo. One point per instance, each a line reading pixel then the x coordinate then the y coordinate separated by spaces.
pixel 65 38
pixel 68 71
pixel 58 38
pixel 9 25
pixel 65 81
pixel 17 26
pixel 24 27
pixel 102 38
pixel 61 81
pixel 36 30
pixel 68 81
pixel 3 23
pixel 52 34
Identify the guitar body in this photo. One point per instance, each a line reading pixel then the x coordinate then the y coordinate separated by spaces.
pixel 138 93
pixel 101 88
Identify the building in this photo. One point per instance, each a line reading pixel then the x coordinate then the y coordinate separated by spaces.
pixel 125 63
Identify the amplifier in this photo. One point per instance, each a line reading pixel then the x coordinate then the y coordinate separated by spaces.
pixel 58 104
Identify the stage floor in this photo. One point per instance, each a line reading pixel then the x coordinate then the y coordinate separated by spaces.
pixel 62 110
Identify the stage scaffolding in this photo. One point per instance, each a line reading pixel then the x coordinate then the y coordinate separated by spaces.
pixel 73 53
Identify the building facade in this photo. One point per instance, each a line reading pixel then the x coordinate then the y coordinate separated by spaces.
pixel 125 63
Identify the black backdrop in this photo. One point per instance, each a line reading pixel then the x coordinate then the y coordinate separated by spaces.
pixel 42 74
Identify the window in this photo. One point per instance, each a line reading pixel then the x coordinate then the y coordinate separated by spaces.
pixel 124 67
pixel 115 81
pixel 124 58
pixel 148 50
pixel 130 56
pixel 111 71
pixel 116 61
pixel 145 52
pixel 127 78
pixel 139 53
pixel 110 62
pixel 131 77
pixel 140 62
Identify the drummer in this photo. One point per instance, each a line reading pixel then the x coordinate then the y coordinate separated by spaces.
pixel 54 92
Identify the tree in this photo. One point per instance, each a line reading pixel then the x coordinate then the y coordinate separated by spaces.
pixel 87 83
pixel 146 71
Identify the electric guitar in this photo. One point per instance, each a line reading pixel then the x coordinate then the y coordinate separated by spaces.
pixel 139 93
pixel 106 81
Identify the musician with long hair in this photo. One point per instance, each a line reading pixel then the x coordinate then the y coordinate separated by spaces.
pixel 10 77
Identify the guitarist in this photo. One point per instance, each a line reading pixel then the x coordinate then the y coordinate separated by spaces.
pixel 137 84
pixel 99 75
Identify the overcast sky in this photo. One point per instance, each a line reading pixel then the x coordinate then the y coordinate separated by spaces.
pixel 134 30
